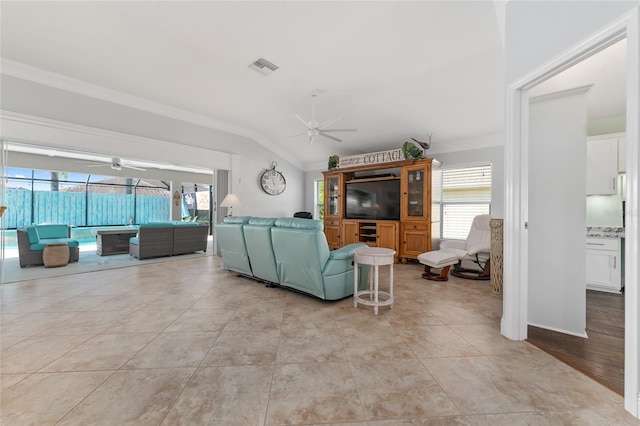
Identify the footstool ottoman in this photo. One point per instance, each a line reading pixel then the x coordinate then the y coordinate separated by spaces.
pixel 437 259
pixel 55 255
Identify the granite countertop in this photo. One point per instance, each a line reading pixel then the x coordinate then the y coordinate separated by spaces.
pixel 605 231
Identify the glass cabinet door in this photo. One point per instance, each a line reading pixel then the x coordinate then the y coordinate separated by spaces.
pixel 333 196
pixel 416 183
pixel 415 193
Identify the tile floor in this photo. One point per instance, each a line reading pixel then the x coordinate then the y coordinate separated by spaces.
pixel 184 342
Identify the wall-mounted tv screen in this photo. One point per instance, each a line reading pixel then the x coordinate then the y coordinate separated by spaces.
pixel 373 200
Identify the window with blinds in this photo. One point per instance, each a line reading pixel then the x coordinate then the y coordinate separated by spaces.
pixel 466 193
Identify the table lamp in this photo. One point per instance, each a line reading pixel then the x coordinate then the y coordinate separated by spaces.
pixel 230 201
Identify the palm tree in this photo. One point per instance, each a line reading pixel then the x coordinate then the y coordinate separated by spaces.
pixel 55 180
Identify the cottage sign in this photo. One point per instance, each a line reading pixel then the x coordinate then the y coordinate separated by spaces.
pixel 372 158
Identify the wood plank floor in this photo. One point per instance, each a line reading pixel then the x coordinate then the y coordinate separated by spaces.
pixel 601 356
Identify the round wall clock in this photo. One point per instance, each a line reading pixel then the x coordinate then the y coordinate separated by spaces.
pixel 272 181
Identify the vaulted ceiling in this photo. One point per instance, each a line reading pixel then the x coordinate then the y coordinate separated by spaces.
pixel 393 70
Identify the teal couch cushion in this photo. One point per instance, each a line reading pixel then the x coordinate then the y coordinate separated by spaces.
pixel 133 240
pixel 232 245
pixel 32 234
pixel 52 231
pixel 236 219
pixel 299 223
pixel 257 235
pixel 40 246
pixel 157 225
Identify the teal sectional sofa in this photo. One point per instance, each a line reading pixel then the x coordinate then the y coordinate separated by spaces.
pixel 288 252
pixel 33 239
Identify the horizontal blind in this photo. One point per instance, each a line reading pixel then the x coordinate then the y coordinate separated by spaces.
pixel 466 193
pixel 471 184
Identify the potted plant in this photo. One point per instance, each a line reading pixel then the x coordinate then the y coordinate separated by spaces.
pixel 333 162
pixel 411 151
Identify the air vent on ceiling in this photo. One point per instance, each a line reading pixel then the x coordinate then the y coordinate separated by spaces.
pixel 263 66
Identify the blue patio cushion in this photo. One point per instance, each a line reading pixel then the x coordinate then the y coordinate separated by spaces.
pixel 32 234
pixel 157 225
pixel 40 246
pixel 178 223
pixel 133 240
pixel 52 231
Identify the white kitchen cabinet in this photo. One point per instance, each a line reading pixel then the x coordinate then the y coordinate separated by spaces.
pixel 622 155
pixel 602 166
pixel 604 264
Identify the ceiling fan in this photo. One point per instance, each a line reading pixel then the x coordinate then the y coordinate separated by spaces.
pixel 116 164
pixel 315 129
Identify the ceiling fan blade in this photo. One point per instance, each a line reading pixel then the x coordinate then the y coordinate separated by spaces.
pixel 302 120
pixel 339 130
pixel 331 121
pixel 98 165
pixel 330 137
pixel 135 168
pixel 310 140
pixel 298 134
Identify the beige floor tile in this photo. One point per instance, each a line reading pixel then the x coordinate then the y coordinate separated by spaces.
pixel 478 386
pixel 372 342
pixel 44 398
pixel 255 318
pixel 174 301
pixel 90 322
pixel 218 299
pixel 392 390
pixel 30 355
pixel 310 345
pixel 243 347
pixel 313 393
pixel 484 338
pixel 145 321
pixel 8 380
pixel 170 350
pixel 32 323
pixel 201 320
pixel 102 352
pixel 127 302
pixel 135 397
pixel 555 383
pixel 229 396
pixel 272 356
pixel 593 417
pixel 436 341
pixel 78 303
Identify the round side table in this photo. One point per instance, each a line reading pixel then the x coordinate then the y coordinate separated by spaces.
pixel 374 257
pixel 55 255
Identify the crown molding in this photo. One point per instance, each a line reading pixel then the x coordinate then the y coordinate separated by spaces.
pixel 59 81
pixel 60 135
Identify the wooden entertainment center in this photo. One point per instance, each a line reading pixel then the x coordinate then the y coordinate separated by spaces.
pixel 418 207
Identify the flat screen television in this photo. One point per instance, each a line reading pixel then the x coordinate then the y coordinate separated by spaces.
pixel 379 200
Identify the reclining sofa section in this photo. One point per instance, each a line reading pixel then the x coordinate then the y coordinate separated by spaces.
pixel 289 252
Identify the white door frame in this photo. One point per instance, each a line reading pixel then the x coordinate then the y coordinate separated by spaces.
pixel 515 315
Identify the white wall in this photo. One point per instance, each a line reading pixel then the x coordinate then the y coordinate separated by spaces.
pixel 144 135
pixel 538 31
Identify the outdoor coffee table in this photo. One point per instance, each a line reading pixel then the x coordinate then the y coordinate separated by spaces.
pixel 114 241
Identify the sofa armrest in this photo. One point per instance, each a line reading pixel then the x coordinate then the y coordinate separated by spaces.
pixel 345 252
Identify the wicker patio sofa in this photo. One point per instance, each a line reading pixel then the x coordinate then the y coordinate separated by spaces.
pixel 33 239
pixel 159 239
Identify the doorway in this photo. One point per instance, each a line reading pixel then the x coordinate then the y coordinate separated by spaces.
pixel 515 319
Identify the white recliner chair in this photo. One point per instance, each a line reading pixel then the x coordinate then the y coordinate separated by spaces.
pixel 470 258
